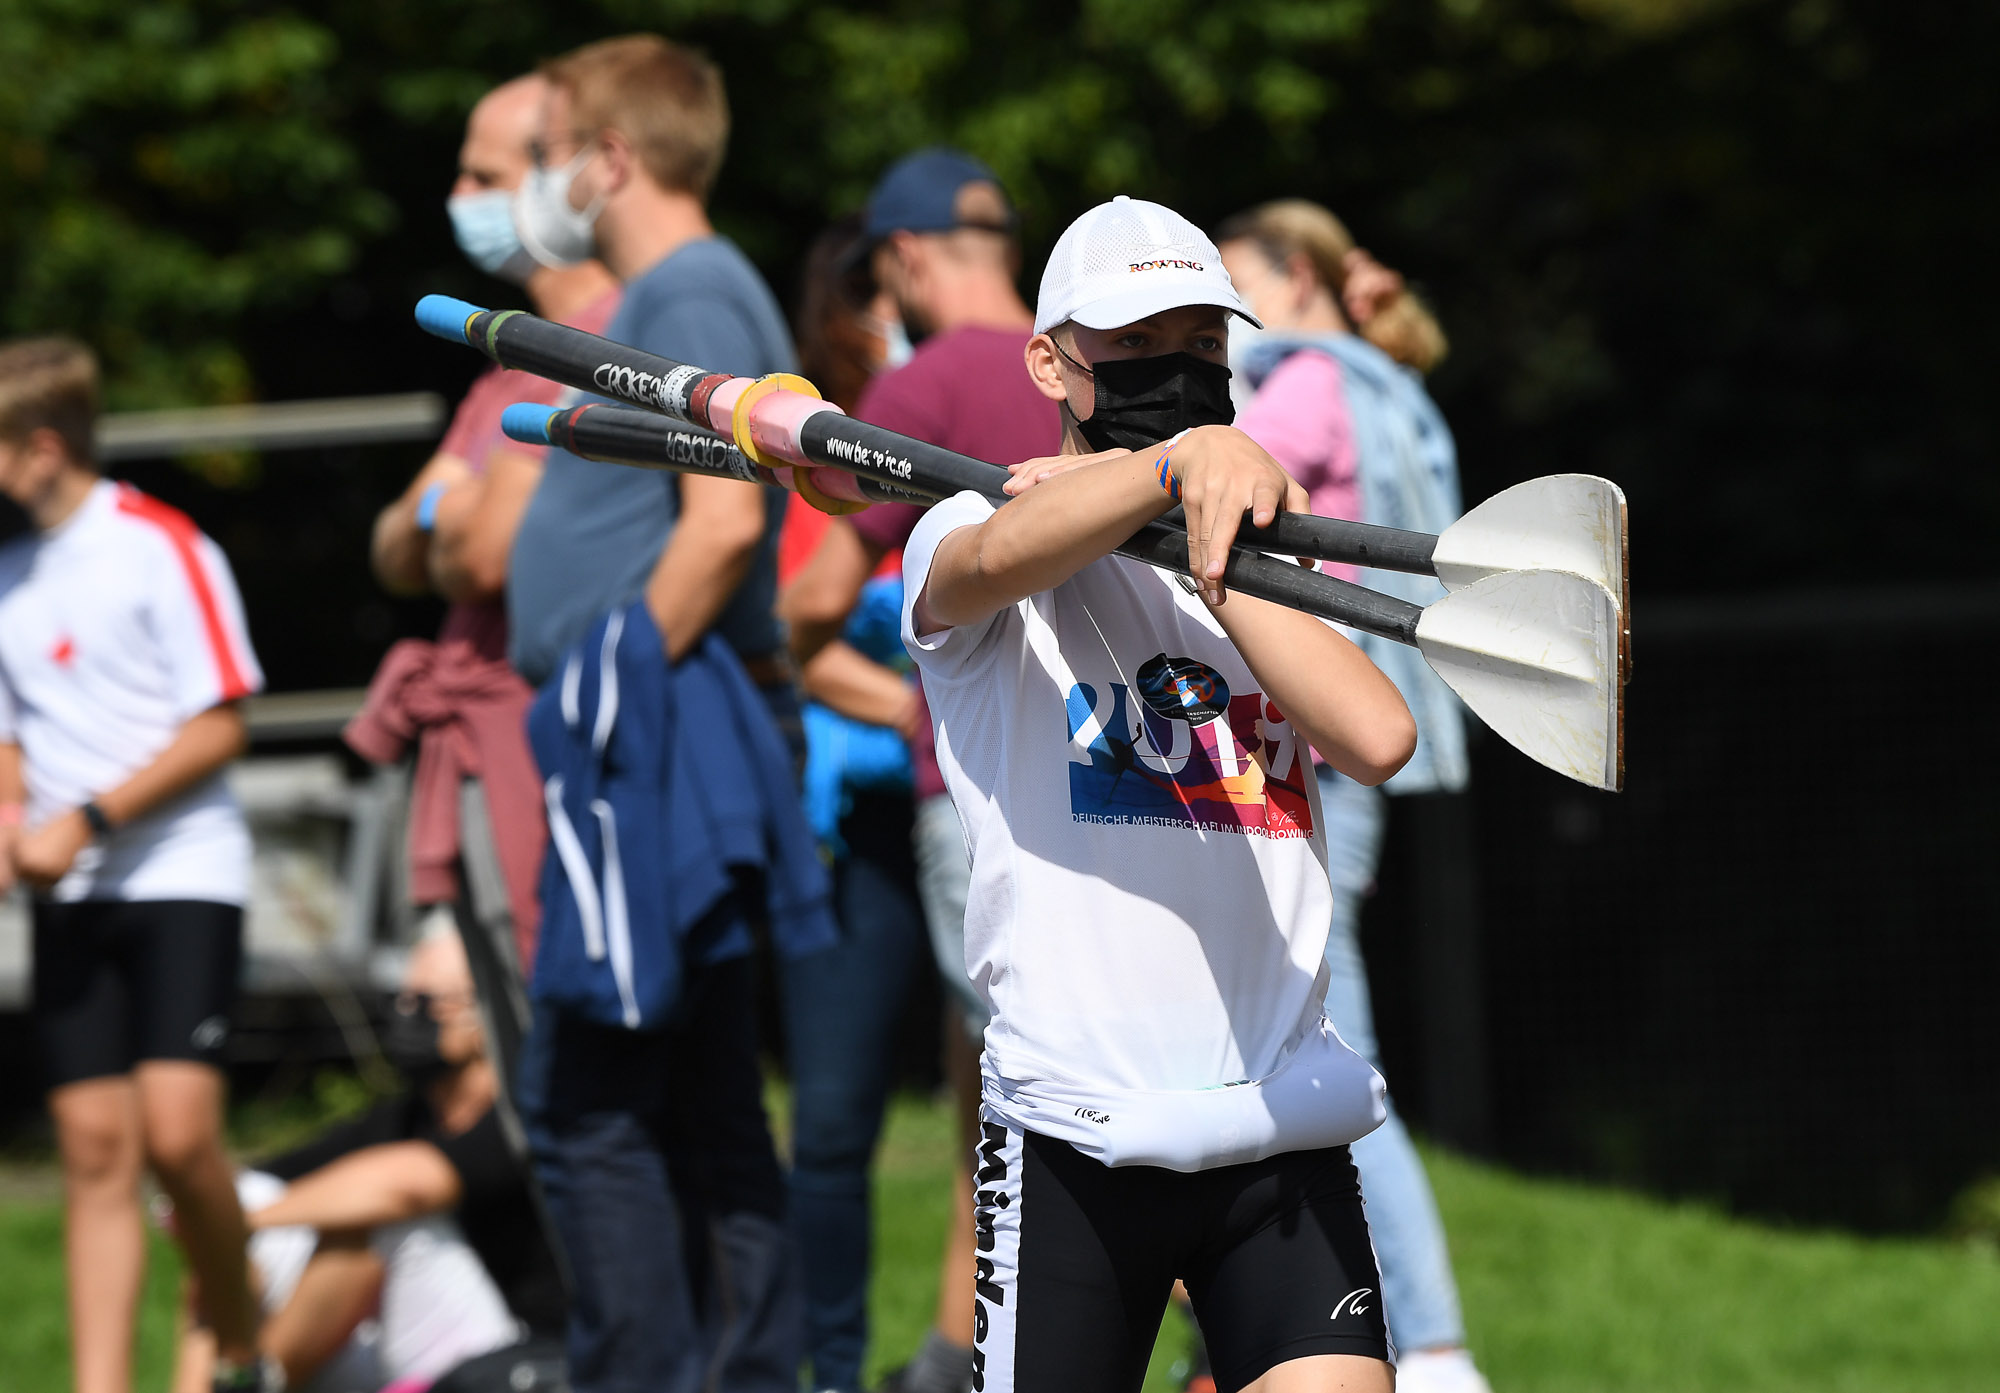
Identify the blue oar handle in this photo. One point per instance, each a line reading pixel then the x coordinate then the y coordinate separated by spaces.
pixel 446 317
pixel 525 421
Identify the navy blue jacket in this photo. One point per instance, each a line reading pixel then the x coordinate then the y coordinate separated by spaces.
pixel 667 787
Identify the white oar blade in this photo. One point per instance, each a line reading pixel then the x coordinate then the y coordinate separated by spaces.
pixel 1535 654
pixel 1565 522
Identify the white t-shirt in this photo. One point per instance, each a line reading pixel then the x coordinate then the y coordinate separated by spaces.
pixel 117 627
pixel 1149 899
pixel 438 1307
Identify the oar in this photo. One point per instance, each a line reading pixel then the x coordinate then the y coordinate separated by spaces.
pixel 1464 552
pixel 1535 654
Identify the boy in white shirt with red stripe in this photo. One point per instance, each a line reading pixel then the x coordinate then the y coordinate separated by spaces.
pixel 123 662
pixel 1162 1095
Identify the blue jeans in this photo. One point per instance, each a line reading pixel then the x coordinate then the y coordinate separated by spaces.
pixel 654 1157
pixel 1419 1294
pixel 843 1007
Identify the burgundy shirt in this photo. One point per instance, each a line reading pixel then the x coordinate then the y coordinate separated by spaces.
pixel 969 391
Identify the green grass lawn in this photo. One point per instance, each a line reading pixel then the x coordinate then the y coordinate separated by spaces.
pixel 34 1321
pixel 1567 1288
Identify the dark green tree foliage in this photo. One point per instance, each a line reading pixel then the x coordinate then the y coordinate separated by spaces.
pixel 166 170
pixel 1729 253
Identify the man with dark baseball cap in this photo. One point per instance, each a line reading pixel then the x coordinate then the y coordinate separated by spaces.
pixel 939 235
pixel 935 190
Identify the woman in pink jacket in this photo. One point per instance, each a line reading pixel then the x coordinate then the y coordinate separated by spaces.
pixel 1338 399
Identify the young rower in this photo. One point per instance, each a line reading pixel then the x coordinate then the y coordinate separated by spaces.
pixel 1162 1096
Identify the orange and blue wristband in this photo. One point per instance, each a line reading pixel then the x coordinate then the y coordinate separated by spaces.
pixel 1170 485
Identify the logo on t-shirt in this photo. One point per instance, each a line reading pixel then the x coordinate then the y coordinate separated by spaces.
pixel 1185 751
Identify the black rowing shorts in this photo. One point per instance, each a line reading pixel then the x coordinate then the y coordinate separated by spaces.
pixel 121 981
pixel 1077 1260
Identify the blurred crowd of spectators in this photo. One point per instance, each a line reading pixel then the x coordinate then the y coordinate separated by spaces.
pixel 580 1182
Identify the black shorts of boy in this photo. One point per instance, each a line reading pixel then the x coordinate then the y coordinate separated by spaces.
pixel 1076 1261
pixel 120 982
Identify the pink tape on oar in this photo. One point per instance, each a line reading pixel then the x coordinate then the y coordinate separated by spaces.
pixel 766 429
pixel 775 421
pixel 835 483
pixel 720 408
pixel 764 420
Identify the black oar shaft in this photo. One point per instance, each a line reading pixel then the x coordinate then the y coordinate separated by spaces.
pixel 587 361
pixel 1336 539
pixel 622 436
pixel 517 339
pixel 1268 578
pixel 873 452
pixel 619 435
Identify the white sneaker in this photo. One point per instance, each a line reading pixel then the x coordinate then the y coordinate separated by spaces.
pixel 1439 1371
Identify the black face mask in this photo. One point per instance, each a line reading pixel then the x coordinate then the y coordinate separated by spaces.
pixel 409 1042
pixel 1142 401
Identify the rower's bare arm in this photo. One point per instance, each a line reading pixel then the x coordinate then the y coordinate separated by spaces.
pixel 1045 535
pixel 1332 694
pixel 1039 540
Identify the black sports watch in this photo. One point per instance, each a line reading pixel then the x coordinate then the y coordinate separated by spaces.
pixel 94 815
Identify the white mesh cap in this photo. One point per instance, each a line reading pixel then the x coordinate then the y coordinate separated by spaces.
pixel 1127 259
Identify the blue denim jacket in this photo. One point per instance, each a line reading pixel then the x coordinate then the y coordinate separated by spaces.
pixel 1408 470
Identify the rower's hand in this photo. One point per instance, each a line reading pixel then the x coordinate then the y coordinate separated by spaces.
pixel 1224 474
pixel 1028 473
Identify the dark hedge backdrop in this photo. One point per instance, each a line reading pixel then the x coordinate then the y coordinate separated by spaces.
pixel 1736 254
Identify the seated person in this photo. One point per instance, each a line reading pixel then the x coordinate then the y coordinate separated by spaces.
pixel 402 1243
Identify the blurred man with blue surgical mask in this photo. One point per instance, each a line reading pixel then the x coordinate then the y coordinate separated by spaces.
pixel 453 527
pixel 477 831
pixel 647 1127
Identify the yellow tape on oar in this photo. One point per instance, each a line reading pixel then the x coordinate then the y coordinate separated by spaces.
pixel 739 426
